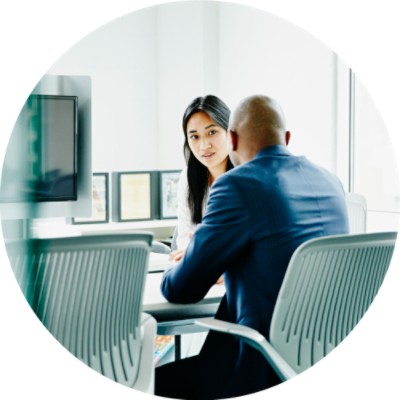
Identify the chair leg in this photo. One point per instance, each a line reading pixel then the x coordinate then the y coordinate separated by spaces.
pixel 178 345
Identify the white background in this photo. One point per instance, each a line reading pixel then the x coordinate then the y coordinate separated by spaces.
pixel 33 35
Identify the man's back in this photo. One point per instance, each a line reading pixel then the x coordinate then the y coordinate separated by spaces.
pixel 288 200
pixel 257 215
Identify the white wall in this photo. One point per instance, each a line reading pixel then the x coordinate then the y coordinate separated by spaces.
pixel 147 66
pixel 261 53
pixel 376 174
pixel 186 68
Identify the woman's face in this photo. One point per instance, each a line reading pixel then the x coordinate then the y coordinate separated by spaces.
pixel 207 140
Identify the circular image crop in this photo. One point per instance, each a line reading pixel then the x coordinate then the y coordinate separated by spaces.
pixel 199 199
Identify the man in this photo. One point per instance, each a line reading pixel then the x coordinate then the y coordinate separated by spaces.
pixel 257 215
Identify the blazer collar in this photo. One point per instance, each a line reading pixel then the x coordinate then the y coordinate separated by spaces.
pixel 277 150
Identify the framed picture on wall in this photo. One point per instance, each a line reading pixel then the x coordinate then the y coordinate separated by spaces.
pixel 100 206
pixel 133 196
pixel 168 191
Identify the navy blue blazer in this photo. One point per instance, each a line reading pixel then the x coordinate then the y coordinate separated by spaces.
pixel 257 215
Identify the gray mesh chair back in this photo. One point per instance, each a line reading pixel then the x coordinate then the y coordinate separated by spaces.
pixel 329 285
pixel 357 210
pixel 88 292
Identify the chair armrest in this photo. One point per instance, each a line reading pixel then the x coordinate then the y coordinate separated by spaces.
pixel 159 247
pixel 145 378
pixel 254 339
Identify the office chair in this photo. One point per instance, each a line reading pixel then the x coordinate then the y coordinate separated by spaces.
pixel 160 248
pixel 87 291
pixel 174 244
pixel 329 285
pixel 357 209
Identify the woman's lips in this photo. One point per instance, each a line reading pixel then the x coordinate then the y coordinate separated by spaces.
pixel 208 155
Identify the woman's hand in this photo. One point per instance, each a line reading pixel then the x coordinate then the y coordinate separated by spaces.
pixel 176 255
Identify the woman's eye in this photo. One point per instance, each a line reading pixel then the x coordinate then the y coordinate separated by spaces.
pixel 193 137
pixel 213 132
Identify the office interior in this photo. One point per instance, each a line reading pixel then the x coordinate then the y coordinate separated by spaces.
pixel 135 76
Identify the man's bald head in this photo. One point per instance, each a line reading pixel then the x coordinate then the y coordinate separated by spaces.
pixel 257 122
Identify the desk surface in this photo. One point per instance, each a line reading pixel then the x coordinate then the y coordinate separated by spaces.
pixel 159 262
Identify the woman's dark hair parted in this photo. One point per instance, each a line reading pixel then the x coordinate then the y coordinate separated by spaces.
pixel 198 174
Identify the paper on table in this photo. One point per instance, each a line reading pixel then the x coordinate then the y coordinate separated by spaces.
pixel 159 262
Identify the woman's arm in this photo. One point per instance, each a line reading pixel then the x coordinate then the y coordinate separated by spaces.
pixel 185 227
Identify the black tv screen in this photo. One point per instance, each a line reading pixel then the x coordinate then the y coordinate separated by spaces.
pixel 41 158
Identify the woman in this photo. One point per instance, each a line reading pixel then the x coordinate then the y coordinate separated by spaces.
pixel 205 125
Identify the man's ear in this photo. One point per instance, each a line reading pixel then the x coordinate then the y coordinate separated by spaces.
pixel 288 135
pixel 234 139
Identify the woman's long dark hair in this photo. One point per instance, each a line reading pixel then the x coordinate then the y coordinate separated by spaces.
pixel 197 174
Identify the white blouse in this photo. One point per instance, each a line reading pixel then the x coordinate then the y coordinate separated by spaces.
pixel 185 225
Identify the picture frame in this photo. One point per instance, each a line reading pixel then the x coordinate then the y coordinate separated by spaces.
pixel 100 201
pixel 168 193
pixel 133 196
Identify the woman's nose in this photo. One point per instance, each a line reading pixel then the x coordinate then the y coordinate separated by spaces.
pixel 205 144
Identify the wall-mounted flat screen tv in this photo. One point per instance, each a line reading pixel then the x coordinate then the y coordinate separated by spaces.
pixel 41 158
